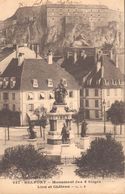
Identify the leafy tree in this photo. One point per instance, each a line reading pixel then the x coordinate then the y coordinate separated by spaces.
pixel 105 157
pixel 41 113
pixel 24 161
pixel 78 118
pixel 117 114
pixel 9 118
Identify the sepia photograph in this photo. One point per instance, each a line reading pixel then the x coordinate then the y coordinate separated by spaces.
pixel 62 97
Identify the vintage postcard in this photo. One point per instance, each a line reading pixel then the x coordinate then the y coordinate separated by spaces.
pixel 62 97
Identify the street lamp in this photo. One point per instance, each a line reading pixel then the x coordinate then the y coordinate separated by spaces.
pixel 104 103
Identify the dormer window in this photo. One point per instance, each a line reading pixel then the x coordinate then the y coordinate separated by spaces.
pixel 30 96
pixel 42 96
pixel 12 82
pixel 35 83
pixel 50 83
pixel 64 81
pixel 51 95
pixel 1 82
pixel 5 82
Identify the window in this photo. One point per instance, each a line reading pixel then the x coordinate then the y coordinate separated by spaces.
pixel 51 95
pixel 96 114
pixel 96 92
pixel 13 96
pixel 96 103
pixel 42 96
pixel 87 92
pixel 12 82
pixel 115 91
pixel 5 106
pixel 64 82
pixel 30 96
pixel 50 83
pixel 35 83
pixel 5 96
pixel 87 103
pixel 81 92
pixel 1 82
pixel 5 82
pixel 108 92
pixel 14 107
pixel 71 94
pixel 31 107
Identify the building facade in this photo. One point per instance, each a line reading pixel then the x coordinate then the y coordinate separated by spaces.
pixel 99 75
pixel 28 84
pixel 96 15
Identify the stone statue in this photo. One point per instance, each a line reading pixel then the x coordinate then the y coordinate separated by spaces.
pixel 60 93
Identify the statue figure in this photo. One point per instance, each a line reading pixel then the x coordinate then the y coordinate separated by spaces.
pixel 65 134
pixel 60 93
pixel 83 128
pixel 32 134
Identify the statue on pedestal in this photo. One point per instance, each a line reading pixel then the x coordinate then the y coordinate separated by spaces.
pixel 60 93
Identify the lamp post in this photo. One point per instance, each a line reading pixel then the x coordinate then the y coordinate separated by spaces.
pixel 104 103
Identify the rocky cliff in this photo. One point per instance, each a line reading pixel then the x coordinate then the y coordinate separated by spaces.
pixel 29 25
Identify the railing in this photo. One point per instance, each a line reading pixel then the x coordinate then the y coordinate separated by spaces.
pixel 68 160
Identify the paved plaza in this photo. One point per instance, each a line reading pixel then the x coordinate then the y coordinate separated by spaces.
pixel 19 135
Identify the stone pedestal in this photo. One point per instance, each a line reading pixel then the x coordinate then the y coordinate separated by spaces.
pixel 85 143
pixel 57 118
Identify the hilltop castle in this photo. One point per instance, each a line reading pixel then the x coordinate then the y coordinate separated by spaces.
pixel 95 15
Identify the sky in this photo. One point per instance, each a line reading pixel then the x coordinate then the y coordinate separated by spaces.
pixel 8 7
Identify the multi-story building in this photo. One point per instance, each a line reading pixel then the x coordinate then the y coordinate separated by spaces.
pixel 101 80
pixel 96 15
pixel 28 84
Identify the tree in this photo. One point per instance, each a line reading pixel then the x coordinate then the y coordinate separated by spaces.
pixel 41 113
pixel 9 118
pixel 78 118
pixel 25 162
pixel 105 157
pixel 117 114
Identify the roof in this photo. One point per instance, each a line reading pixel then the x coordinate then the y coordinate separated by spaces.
pixel 111 74
pixel 37 69
pixel 13 70
pixel 81 68
pixel 42 71
pixel 73 5
pixel 86 69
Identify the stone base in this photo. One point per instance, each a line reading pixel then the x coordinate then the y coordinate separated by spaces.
pixel 84 143
pixel 54 141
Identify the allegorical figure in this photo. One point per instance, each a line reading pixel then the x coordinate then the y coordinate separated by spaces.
pixel 65 133
pixel 60 93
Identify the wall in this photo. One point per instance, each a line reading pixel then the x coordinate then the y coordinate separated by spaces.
pixel 10 101
pixel 74 102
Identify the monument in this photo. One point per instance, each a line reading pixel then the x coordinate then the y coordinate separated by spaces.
pixel 60 118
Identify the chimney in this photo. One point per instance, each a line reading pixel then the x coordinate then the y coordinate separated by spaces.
pixel 83 54
pixel 111 54
pixel 116 60
pixel 50 57
pixel 99 60
pixel 102 71
pixel 20 59
pixel 75 57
